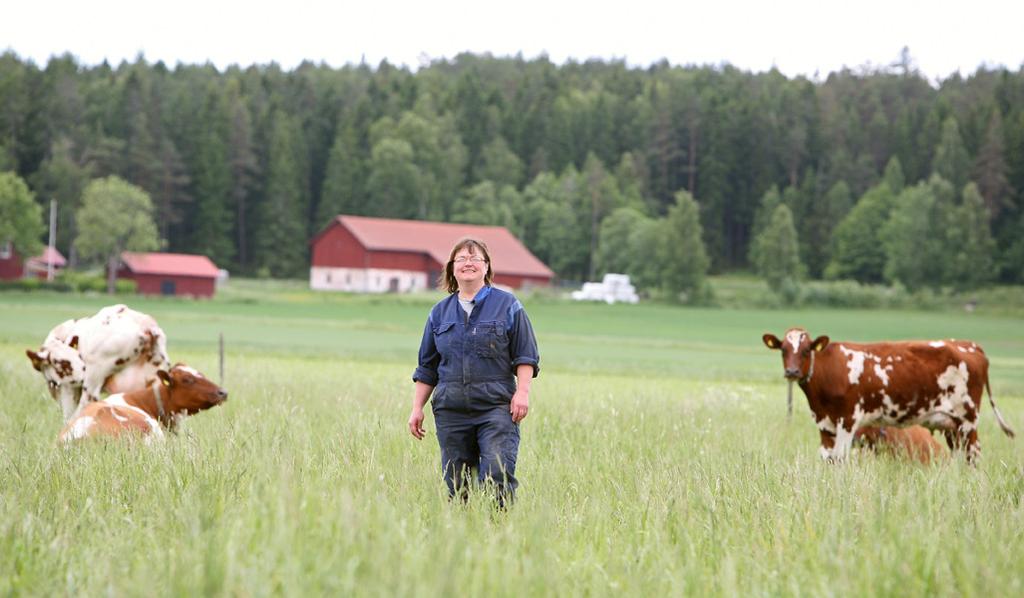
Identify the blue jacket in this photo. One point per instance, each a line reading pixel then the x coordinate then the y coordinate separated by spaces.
pixel 471 360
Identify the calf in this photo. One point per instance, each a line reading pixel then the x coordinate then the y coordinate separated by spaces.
pixel 935 384
pixel 179 393
pixel 914 442
pixel 117 350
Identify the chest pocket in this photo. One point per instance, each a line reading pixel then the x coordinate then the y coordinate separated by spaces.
pixel 444 339
pixel 491 340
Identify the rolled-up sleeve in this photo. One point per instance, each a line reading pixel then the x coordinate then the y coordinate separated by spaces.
pixel 522 342
pixel 429 358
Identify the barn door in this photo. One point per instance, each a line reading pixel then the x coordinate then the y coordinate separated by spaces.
pixel 167 287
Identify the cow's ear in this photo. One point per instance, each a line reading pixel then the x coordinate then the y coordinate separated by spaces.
pixel 771 341
pixel 73 343
pixel 820 343
pixel 164 377
pixel 38 359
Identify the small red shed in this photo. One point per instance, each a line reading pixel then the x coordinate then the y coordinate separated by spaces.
pixel 170 273
pixel 379 255
pixel 37 266
pixel 12 266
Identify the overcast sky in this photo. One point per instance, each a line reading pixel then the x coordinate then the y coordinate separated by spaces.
pixel 799 37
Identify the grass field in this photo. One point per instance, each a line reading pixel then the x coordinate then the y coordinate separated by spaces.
pixel 656 459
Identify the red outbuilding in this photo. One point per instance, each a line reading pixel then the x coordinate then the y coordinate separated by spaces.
pixel 378 255
pixel 170 273
pixel 12 266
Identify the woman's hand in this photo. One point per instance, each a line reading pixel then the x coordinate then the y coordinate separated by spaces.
pixel 416 423
pixel 520 404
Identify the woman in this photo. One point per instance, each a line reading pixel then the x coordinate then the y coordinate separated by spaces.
pixel 475 340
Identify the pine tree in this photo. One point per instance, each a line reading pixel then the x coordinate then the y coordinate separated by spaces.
pixel 244 167
pixel 280 233
pixel 212 221
pixel 991 170
pixel 952 161
pixel 343 185
pixel 893 176
pixel 824 215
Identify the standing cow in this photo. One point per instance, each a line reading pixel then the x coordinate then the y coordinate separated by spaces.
pixel 117 350
pixel 935 384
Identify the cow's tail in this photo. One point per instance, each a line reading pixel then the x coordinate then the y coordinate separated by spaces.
pixel 999 416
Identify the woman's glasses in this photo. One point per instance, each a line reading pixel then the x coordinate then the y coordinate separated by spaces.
pixel 462 259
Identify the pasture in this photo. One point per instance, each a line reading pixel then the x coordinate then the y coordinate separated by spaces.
pixel 656 460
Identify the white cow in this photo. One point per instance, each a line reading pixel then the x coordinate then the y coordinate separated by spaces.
pixel 117 350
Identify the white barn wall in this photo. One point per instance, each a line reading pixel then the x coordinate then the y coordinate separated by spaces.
pixel 366 280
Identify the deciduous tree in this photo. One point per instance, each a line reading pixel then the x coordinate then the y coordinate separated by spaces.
pixel 116 216
pixel 776 254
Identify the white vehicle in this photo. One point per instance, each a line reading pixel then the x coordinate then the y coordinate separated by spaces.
pixel 613 288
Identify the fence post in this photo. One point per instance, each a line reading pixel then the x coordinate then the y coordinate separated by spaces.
pixel 221 362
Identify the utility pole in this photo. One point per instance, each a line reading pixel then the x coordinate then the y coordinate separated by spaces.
pixel 53 240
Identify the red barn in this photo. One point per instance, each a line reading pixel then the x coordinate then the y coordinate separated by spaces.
pixel 378 255
pixel 170 273
pixel 12 266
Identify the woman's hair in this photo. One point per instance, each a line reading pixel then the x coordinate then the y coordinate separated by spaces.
pixel 447 281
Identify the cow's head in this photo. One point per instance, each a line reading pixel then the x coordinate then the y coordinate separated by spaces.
pixel 63 369
pixel 797 351
pixel 188 391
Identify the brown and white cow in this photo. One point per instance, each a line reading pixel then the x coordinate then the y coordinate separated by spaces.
pixel 935 384
pixel 117 350
pixel 178 393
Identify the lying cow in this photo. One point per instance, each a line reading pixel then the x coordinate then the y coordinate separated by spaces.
pixel 935 384
pixel 913 442
pixel 180 392
pixel 117 350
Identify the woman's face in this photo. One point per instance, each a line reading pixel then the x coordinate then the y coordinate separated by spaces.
pixel 469 268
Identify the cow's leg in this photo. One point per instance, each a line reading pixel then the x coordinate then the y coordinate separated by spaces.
pixel 952 440
pixel 70 401
pixel 844 440
pixel 160 359
pixel 968 437
pixel 92 384
pixel 828 442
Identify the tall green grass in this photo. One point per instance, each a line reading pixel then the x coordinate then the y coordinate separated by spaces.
pixel 657 459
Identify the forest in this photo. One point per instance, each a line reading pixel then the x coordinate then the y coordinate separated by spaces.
pixel 875 174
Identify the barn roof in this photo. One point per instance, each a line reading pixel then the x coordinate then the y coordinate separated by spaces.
pixel 179 264
pixel 49 255
pixel 436 239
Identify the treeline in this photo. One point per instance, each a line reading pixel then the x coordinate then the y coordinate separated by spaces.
pixel 246 164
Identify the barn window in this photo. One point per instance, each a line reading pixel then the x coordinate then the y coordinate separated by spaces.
pixel 5 250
